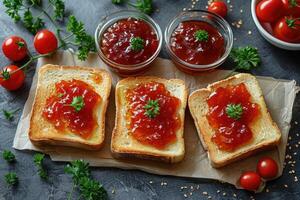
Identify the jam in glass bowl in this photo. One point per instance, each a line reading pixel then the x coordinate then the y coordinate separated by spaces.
pixel 198 40
pixel 128 42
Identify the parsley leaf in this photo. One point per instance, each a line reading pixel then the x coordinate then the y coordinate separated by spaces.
pixel 144 6
pixel 35 2
pixel 117 1
pixel 201 35
pixel 59 8
pixel 32 24
pixel 136 43
pixel 234 111
pixel 38 159
pixel 84 41
pixel 78 169
pixel 9 115
pixel 13 8
pixel 77 103
pixel 91 189
pixel 11 179
pixel 152 108
pixel 8 156
pixel 245 58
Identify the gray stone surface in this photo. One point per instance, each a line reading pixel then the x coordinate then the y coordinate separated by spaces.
pixel 131 184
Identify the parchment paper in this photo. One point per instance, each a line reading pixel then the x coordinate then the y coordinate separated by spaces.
pixel 279 96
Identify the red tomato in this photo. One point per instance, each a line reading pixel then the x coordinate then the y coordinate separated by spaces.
pixel 250 180
pixel 45 42
pixel 287 29
pixel 14 48
pixel 267 168
pixel 218 7
pixel 292 7
pixel 269 10
pixel 12 78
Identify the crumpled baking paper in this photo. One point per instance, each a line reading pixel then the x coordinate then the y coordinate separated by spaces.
pixel 279 96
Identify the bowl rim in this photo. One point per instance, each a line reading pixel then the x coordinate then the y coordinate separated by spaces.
pixel 101 27
pixel 194 66
pixel 266 33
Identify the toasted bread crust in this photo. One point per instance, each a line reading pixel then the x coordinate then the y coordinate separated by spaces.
pixel 59 139
pixel 120 152
pixel 204 129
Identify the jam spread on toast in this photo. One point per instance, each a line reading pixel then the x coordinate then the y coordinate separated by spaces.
pixel 230 114
pixel 207 48
pixel 117 40
pixel 72 107
pixel 153 114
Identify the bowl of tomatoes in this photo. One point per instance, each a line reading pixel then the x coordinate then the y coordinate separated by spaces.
pixel 278 21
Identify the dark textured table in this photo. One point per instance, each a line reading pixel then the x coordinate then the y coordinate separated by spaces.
pixel 131 184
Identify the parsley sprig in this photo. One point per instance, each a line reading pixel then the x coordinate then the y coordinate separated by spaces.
pixel 89 189
pixel 144 6
pixel 152 108
pixel 136 43
pixel 246 58
pixel 201 35
pixel 77 103
pixel 234 111
pixel 38 159
pixel 9 115
pixel 8 156
pixel 84 41
pixel 11 178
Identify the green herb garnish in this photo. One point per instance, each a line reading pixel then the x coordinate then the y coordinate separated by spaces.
pixel 90 189
pixel 201 36
pixel 77 103
pixel 38 159
pixel 234 111
pixel 293 3
pixel 136 43
pixel 84 41
pixel 245 58
pixel 144 6
pixel 117 1
pixel 152 108
pixel 11 179
pixel 59 8
pixel 9 115
pixel 8 156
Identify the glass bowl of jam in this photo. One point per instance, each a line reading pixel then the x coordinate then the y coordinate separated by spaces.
pixel 198 40
pixel 128 41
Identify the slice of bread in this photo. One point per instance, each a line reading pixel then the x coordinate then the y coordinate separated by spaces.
pixel 265 132
pixel 42 131
pixel 124 145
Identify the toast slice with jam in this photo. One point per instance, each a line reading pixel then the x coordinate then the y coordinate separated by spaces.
pixel 232 119
pixel 149 119
pixel 69 106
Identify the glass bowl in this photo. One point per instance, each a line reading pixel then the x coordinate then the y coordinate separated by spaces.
pixel 121 69
pixel 199 15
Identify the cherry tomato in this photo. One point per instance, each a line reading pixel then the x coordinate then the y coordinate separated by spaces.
pixel 14 48
pixel 269 10
pixel 218 7
pixel 250 180
pixel 292 7
pixel 287 29
pixel 12 78
pixel 45 42
pixel 267 168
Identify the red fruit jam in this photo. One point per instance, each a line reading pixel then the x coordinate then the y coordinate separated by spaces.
pixel 62 115
pixel 116 41
pixel 185 45
pixel 160 130
pixel 231 133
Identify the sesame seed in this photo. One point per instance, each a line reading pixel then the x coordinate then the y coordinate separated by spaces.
pixel 234 194
pixel 204 193
pixel 267 190
pixel 249 32
pixel 209 197
pixel 113 191
pixel 185 195
pixel 150 182
pixel 224 193
pixel 285 185
pixel 218 191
